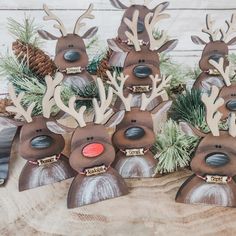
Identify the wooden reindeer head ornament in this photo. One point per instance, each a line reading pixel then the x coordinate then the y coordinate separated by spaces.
pixel 38 145
pixel 214 161
pixel 142 61
pixel 216 48
pixel 134 135
pixel 228 91
pixel 71 57
pixel 91 153
pixel 134 50
pixel 128 14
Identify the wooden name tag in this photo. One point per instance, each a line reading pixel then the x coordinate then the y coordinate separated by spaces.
pixel 73 70
pixel 95 170
pixel 141 89
pixel 134 152
pixel 216 179
pixel 47 160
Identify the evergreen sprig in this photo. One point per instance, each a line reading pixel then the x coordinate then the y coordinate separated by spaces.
pixel 173 148
pixel 189 107
pixel 26 31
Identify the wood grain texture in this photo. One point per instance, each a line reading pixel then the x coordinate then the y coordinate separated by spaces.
pixel 149 209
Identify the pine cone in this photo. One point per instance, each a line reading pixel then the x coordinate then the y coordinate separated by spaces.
pixel 104 65
pixel 39 62
pixel 4 102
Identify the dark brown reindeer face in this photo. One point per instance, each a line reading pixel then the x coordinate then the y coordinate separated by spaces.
pixel 228 91
pixel 216 48
pixel 134 135
pixel 91 153
pixel 91 146
pixel 128 14
pixel 38 145
pixel 214 161
pixel 37 141
pixel 71 56
pixel 142 59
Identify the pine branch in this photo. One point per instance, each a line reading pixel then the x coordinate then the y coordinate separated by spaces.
pixel 173 148
pixel 26 32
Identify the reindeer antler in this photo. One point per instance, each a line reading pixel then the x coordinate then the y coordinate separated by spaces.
pixel 118 88
pixel 231 28
pixel 70 109
pixel 209 28
pixel 150 21
pixel 157 90
pixel 232 124
pixel 51 16
pixel 101 112
pixel 220 67
pixel 48 100
pixel 132 24
pixel 18 108
pixel 212 103
pixel 87 15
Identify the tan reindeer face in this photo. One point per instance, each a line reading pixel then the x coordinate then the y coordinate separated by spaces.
pixel 91 143
pixel 71 56
pixel 217 47
pixel 129 11
pixel 36 140
pixel 215 154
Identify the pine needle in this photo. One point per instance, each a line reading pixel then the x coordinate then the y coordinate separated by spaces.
pixel 173 148
pixel 26 32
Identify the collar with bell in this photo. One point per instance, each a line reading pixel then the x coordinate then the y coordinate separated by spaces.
pixel 96 170
pixel 134 152
pixel 215 179
pixel 46 160
pixel 73 70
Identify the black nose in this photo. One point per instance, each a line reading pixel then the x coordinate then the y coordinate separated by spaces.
pixel 134 133
pixel 142 71
pixel 231 105
pixel 140 27
pixel 41 142
pixel 71 56
pixel 216 57
pixel 217 159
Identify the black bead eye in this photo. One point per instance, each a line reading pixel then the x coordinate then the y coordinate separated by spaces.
pixel 133 121
pixel 91 138
pixel 38 130
pixel 218 146
pixel 139 61
pixel 70 46
pixel 143 60
pixel 88 138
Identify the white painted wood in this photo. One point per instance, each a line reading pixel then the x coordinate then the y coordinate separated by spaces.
pixel 105 4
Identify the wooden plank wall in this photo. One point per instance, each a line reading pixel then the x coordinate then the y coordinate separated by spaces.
pixel 187 18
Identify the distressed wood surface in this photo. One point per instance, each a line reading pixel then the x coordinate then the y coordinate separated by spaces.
pixel 149 209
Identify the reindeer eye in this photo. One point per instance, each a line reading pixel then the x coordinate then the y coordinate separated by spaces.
pixel 218 146
pixel 143 60
pixel 91 138
pixel 139 61
pixel 70 45
pixel 133 121
pixel 38 130
pixel 88 138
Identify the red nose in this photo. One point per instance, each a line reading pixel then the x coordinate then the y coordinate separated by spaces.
pixel 93 150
